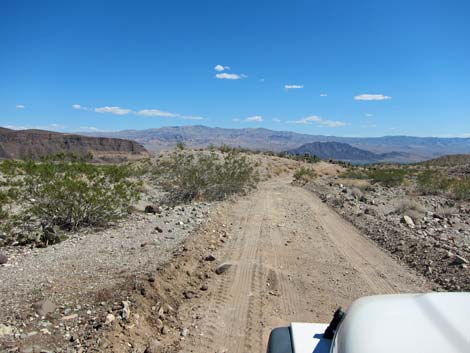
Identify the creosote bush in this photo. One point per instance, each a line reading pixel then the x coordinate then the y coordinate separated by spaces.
pixel 305 174
pixel 432 182
pixel 188 176
pixel 384 176
pixel 70 192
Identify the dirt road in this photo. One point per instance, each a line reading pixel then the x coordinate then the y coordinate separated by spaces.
pixel 294 259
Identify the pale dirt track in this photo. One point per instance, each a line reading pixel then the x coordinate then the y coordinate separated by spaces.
pixel 294 260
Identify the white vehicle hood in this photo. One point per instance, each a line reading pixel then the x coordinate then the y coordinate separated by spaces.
pixel 408 323
pixel 308 338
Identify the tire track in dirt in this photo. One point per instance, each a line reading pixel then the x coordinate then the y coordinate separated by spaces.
pixel 294 259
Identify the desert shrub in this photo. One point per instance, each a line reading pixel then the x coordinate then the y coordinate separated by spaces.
pixel 78 194
pixel 387 176
pixel 307 158
pixel 305 174
pixel 460 189
pixel 353 173
pixel 409 204
pixel 3 201
pixel 225 148
pixel 206 176
pixel 447 211
pixel 431 182
pixel 68 192
pixel 181 146
pixel 384 176
pixel 357 193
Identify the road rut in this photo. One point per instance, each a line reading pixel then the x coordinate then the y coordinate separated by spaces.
pixel 294 259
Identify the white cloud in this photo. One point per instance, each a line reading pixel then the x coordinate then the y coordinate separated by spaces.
pixel 276 120
pixel 254 119
pixel 113 110
pixel 57 126
pixel 323 95
pixel 191 117
pixel 371 97
pixel 369 115
pixel 226 76
pixel 53 126
pixel 314 119
pixel 143 112
pixel 16 127
pixel 288 87
pixel 236 120
pixel 221 68
pixel 156 112
pixel 88 129
pixel 20 106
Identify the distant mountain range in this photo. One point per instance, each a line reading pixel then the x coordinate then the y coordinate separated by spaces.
pixel 403 149
pixel 35 144
pixel 345 152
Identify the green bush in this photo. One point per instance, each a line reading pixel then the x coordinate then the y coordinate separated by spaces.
pixel 69 192
pixel 353 173
pixel 206 176
pixel 431 182
pixel 460 189
pixel 304 174
pixel 387 176
pixel 75 195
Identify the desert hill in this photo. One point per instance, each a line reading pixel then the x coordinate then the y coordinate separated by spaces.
pixel 414 149
pixel 345 152
pixel 35 144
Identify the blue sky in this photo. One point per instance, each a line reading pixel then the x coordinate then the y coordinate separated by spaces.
pixel 347 68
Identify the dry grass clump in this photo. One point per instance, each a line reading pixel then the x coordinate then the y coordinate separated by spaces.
pixel 411 208
pixel 356 193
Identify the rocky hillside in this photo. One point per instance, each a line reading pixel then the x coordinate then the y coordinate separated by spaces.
pixel 345 152
pixel 35 144
pixel 417 149
pixel 449 160
pixel 430 233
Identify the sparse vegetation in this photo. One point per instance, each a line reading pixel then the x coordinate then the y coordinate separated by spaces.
pixel 305 174
pixel 355 173
pixel 433 182
pixel 386 176
pixel 187 176
pixel 64 192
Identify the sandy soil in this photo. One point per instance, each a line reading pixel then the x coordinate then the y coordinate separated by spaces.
pixel 294 259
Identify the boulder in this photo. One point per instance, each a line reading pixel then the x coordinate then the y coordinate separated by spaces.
pixel 126 311
pixel 3 259
pixel 408 221
pixel 222 268
pixel 210 257
pixel 44 307
pixel 154 209
pixel 154 347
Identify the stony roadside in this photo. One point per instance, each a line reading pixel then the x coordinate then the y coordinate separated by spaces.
pixel 53 298
pixel 430 234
